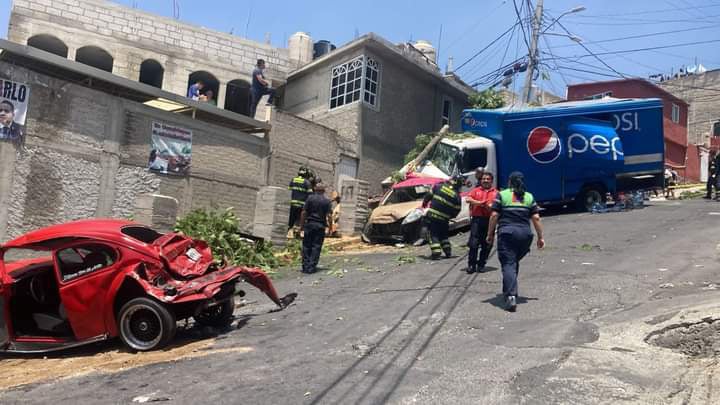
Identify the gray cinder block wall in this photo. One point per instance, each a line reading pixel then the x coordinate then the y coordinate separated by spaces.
pixel 702 93
pixel 294 142
pixel 86 154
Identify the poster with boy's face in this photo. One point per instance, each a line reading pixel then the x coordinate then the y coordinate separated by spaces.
pixel 170 149
pixel 14 98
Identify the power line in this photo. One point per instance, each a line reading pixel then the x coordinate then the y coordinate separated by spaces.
pixel 495 74
pixel 507 47
pixel 685 9
pixel 634 22
pixel 643 12
pixel 652 48
pixel 652 34
pixel 520 20
pixel 486 47
pixel 490 55
pixel 473 27
pixel 589 51
pixel 664 83
pixel 547 43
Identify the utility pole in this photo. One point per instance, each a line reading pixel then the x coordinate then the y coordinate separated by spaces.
pixel 533 55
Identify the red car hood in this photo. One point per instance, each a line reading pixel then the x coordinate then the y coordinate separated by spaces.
pixel 184 256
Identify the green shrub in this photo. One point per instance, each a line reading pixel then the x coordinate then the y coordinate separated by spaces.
pixel 486 99
pixel 221 230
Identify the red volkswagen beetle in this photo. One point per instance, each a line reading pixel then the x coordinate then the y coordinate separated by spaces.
pixel 85 281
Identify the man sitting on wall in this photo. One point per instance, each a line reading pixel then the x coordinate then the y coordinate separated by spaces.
pixel 260 87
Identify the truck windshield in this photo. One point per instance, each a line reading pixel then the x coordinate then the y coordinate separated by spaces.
pixel 443 156
pixel 474 158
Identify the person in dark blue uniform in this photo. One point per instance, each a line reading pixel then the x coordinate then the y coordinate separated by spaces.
pixel 444 203
pixel 260 87
pixel 513 210
pixel 299 188
pixel 314 219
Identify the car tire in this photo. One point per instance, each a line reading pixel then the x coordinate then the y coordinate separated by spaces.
pixel 365 232
pixel 589 196
pixel 217 316
pixel 145 324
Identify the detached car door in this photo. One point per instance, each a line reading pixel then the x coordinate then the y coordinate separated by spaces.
pixel 85 272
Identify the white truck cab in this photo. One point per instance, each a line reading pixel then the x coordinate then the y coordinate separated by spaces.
pixel 460 156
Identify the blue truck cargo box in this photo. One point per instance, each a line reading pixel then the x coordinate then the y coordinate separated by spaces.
pixel 567 148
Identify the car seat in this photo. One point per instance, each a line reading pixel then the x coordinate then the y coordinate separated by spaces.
pixel 51 322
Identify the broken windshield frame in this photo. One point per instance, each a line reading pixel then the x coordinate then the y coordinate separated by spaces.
pixel 444 157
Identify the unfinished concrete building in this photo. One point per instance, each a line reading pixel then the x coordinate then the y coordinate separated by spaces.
pixel 139 46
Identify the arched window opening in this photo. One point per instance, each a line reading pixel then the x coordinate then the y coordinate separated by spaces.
pixel 237 97
pixel 203 86
pixel 151 73
pixel 95 57
pixel 49 43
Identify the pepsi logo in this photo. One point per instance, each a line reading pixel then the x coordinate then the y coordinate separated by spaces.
pixel 544 145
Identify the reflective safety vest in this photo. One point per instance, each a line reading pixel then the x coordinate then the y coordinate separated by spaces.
pixel 300 188
pixel 445 203
pixel 515 212
pixel 507 199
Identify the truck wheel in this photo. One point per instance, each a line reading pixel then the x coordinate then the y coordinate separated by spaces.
pixel 218 316
pixel 590 196
pixel 146 324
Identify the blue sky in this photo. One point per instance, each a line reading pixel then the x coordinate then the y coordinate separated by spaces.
pixel 468 26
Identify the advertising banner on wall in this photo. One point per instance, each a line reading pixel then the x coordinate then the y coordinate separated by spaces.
pixel 14 98
pixel 170 149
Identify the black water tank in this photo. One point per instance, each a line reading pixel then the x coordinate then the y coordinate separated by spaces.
pixel 321 48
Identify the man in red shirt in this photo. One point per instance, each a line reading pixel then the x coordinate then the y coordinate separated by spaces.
pixel 480 199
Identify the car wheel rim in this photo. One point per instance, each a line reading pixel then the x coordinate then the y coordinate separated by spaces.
pixel 141 327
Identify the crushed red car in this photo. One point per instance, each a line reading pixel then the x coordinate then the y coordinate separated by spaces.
pixel 85 281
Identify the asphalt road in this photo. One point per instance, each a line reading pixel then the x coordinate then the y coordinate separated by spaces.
pixel 390 330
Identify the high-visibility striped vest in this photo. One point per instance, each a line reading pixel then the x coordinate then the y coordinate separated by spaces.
pixel 300 188
pixel 445 203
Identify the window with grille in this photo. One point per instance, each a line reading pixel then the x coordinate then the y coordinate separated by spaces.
pixel 372 71
pixel 353 80
pixel 716 128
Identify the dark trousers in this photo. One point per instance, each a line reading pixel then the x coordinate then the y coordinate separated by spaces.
pixel 295 212
pixel 439 233
pixel 313 239
pixel 709 186
pixel 512 245
pixel 256 95
pixel 477 241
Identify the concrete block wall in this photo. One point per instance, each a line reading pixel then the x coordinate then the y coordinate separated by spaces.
pixel 702 94
pixel 296 142
pixel 353 206
pixel 86 154
pixel 132 36
pixel 272 214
